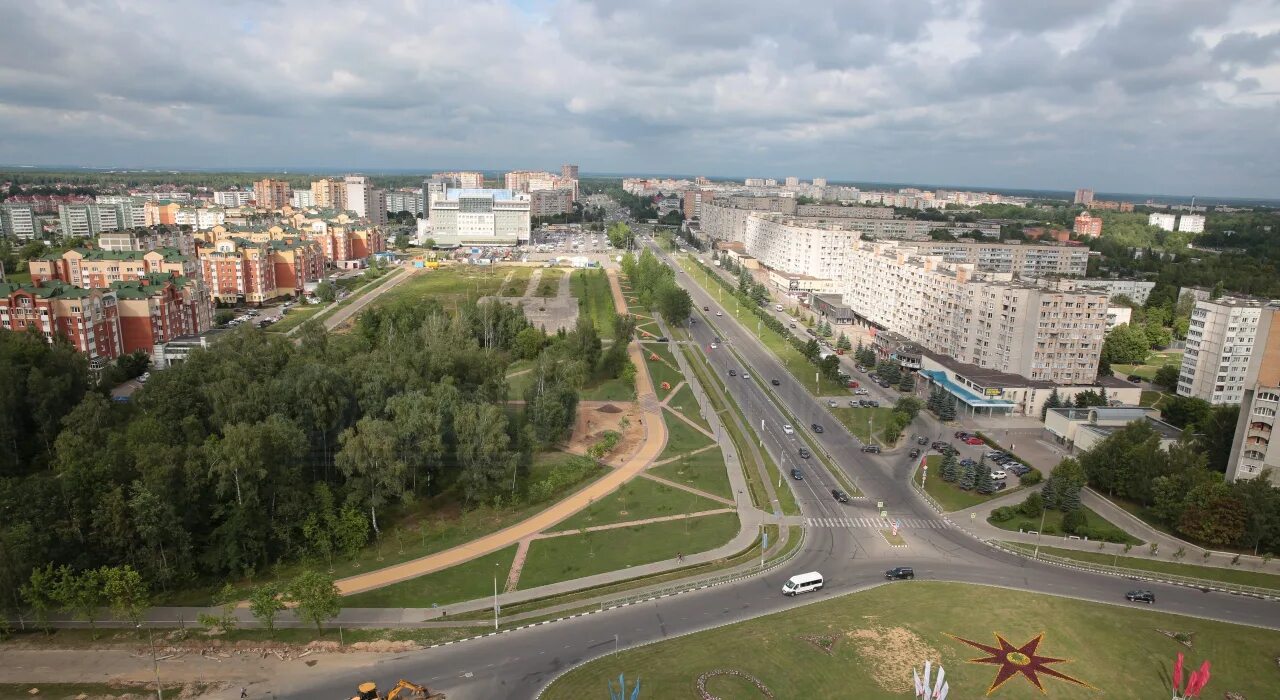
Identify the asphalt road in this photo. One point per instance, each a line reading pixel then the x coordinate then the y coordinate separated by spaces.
pixel 518 664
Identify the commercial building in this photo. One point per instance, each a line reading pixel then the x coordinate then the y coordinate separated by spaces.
pixel 979 390
pixel 85 317
pixel 1251 451
pixel 271 194
pixel 233 198
pixel 1136 290
pixel 18 221
pixel 94 268
pixel 1221 339
pixel 1164 221
pixel 1088 225
pixel 329 194
pixel 1080 429
pixel 238 270
pixel 1191 223
pixel 480 217
pixel 1084 197
pixel 550 202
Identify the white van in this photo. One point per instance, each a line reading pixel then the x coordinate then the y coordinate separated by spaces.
pixel 777 307
pixel 802 583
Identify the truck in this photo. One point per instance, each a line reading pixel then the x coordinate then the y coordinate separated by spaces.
pixel 403 690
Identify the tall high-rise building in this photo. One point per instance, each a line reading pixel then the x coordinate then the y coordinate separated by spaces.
pixel 819 182
pixel 1084 197
pixel 1251 451
pixel 329 193
pixel 365 200
pixel 430 187
pixel 18 221
pixel 792 181
pixel 569 171
pixel 1220 342
pixel 271 194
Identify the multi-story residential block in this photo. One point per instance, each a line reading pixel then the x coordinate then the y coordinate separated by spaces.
pixel 1251 452
pixel 480 217
pixel 1191 223
pixel 46 203
pixel 550 202
pixel 1088 225
pixel 528 181
pixel 795 245
pixel 835 211
pixel 159 195
pixel 1118 315
pixel 753 182
pixel 1136 290
pixel 239 270
pixel 1105 205
pixel 302 199
pixel 569 171
pixel 1027 261
pixel 345 241
pixel 233 198
pixel 1221 339
pixel 87 318
pixel 693 201
pixel 160 307
pixel 86 220
pixel 462 180
pixel 329 194
pixel 149 239
pixel 18 221
pixel 791 181
pixel 398 201
pixel 365 200
pixel 130 212
pixel 1164 221
pixel 94 269
pixel 1084 197
pixel 271 194
pixel 819 182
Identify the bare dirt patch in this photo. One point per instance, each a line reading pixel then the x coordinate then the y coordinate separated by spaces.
pixel 892 652
pixel 597 418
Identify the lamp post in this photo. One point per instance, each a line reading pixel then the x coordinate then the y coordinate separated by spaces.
pixel 495 594
pixel 154 662
pixel 1043 512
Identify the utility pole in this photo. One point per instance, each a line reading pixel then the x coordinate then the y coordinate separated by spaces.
pixel 495 595
pixel 1043 512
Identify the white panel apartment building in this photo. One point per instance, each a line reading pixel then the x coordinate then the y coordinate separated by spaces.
pixel 1045 334
pixel 1251 450
pixel 1220 342
pixel 1136 290
pixel 1031 261
pixel 479 217
pixel 1164 221
pixel 18 221
pixel 784 243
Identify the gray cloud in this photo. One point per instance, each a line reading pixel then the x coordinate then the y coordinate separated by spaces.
pixel 1131 95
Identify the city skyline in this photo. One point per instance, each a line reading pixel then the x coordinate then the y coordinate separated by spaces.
pixel 869 94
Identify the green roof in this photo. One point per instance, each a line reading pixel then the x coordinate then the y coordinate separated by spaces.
pixel 47 290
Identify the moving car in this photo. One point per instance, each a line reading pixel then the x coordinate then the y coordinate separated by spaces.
pixel 775 382
pixel 874 449
pixel 802 583
pixel 797 474
pixel 831 403
pixel 804 453
pixel 746 374
pixel 915 452
pixel 733 373
pixel 1134 378
pixel 786 428
pixel 922 440
pixel 719 313
pixel 714 346
pixel 706 308
pixel 900 572
pixel 816 428
pixel 973 440
pixel 840 495
pixel 1140 597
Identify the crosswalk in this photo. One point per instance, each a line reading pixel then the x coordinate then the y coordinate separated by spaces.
pixel 883 523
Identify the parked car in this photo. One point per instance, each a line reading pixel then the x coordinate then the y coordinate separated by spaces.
pixel 960 435
pixel 1134 378
pixel 973 440
pixel 144 377
pixel 804 453
pixel 816 428
pixel 874 449
pixel 999 474
pixel 915 452
pixel 861 392
pixel 775 382
pixel 860 368
pixel 884 384
pixel 786 428
pixel 796 474
pixel 873 403
pixel 999 486
pixel 853 384
pixel 831 403
pixel 719 314
pixel 937 445
pixel 663 339
pixel 1140 597
pixel 840 495
pixel 966 462
pixel 791 325
pixel 900 572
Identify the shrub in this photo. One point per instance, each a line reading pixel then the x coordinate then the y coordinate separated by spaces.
pixel 1031 478
pixel 1032 506
pixel 1074 521
pixel 1002 514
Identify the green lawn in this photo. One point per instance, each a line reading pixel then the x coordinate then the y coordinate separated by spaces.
pixel 467 581
pixel 950 496
pixel 18 277
pixel 1112 556
pixel 796 364
pixel 447 284
pixel 519 282
pixel 517 385
pixel 1147 370
pixel 685 404
pixel 664 370
pixel 856 420
pixel 550 282
pixel 614 389
pixel 294 317
pixel 595 301
pixel 877 636
pixel 637 499
pixel 705 471
pixel 1103 529
pixel 574 556
pixel 681 438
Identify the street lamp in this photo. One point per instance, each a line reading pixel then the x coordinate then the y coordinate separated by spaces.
pixel 495 594
pixel 155 663
pixel 1043 512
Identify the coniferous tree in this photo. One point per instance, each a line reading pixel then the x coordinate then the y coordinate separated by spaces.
pixel 1054 401
pixel 949 472
pixel 948 411
pixel 969 476
pixel 983 481
pixel 908 382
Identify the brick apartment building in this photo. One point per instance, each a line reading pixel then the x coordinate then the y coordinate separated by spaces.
pixel 87 318
pixel 81 267
pixel 158 308
pixel 238 269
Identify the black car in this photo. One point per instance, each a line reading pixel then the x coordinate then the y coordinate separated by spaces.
pixel 662 339
pixel 1134 378
pixel 706 308
pixel 733 373
pixel 967 462
pixel 999 486
pixel 775 382
pixel 900 572
pixel 840 495
pixel 874 403
pixel 804 453
pixel 795 474
pixel 816 428
pixel 960 435
pixel 884 384
pixel 922 440
pixel 915 452
pixel 874 449
pixel 1140 597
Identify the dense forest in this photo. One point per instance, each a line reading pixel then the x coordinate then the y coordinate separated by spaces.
pixel 250 453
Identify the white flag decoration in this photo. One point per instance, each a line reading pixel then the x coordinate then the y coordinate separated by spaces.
pixel 937 688
pixel 928 673
pixel 946 688
pixel 915 676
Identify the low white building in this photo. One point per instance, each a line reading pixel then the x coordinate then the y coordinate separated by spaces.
pixel 478 217
pixel 1191 223
pixel 1137 290
pixel 1164 221
pixel 1079 429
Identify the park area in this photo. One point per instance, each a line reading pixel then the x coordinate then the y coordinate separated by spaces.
pixel 449 284
pixel 1147 370
pixel 866 644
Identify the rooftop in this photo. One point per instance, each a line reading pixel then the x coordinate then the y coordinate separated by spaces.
pixel 495 194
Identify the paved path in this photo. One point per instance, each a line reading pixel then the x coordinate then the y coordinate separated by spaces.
pixel 534 279
pixel 691 453
pixel 684 487
pixel 631 523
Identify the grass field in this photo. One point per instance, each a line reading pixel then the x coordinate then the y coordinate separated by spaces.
pixel 637 499
pixel 876 637
pixel 98 691
pixel 662 370
pixel 681 438
pixel 1103 528
pixel 686 405
pixel 519 282
pixel 602 389
pixel 574 556
pixel 467 581
pixel 1113 556
pixel 516 385
pixel 705 471
pixel 950 496
pixel 447 284
pixel 295 317
pixel 595 301
pixel 856 420
pixel 1152 398
pixel 550 282
pixel 1147 370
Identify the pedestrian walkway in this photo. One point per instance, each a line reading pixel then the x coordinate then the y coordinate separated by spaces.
pixel 532 288
pixel 679 457
pixel 677 485
pixel 634 523
pixel 880 523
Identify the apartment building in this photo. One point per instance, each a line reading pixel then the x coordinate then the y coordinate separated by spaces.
pixel 1052 334
pixel 480 217
pixel 130 211
pixel 46 203
pixel 271 194
pixel 87 220
pixel 786 243
pixel 569 171
pixel 835 211
pixel 1191 223
pixel 233 198
pixel 18 221
pixel 1221 339
pixel 550 202
pixel 1084 197
pixel 1136 290
pixel 725 218
pixel 239 270
pixel 159 307
pixel 1251 451
pixel 1026 260
pixel 329 194
pixel 1087 225
pixel 461 180
pixel 344 240
pixel 693 200
pixel 365 200
pixel 529 181
pixel 85 317
pixel 302 199
pixel 398 201
pixel 93 268
pixel 1164 221
pixel 148 239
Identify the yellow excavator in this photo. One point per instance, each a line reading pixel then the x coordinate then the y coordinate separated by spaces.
pixel 403 690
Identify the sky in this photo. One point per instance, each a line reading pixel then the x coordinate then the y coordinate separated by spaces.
pixel 1168 96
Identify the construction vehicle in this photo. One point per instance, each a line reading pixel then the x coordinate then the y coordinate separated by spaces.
pixel 403 690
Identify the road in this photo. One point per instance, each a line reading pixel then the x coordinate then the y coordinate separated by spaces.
pixel 519 663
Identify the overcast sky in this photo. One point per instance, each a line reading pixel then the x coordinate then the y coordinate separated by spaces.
pixel 1169 96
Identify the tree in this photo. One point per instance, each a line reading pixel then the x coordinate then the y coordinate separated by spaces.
pixel 126 591
pixel 483 450
pixel 224 316
pixel 1167 377
pixel 983 482
pixel 265 605
pixel 843 343
pixel 1218 290
pixel 1215 434
pixel 315 598
pixel 1073 521
pixel 1054 401
pixel 529 343
pixel 1033 505
pixel 1126 345
pixel 950 471
pixel 326 291
pixel 372 464
pixel 352 533
pixel 1088 398
pixel 908 382
pixel 41 595
pixel 948 411
pixel 80 594
pixel 909 405
pixel 889 371
pixel 811 350
pixel 674 304
pixel 968 476
pixel 1185 411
